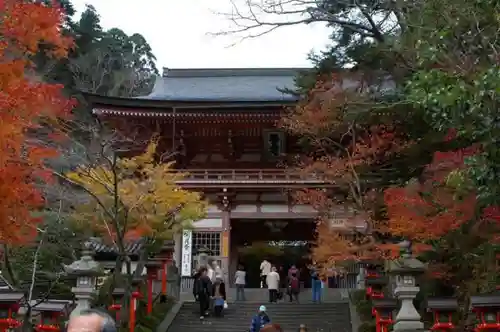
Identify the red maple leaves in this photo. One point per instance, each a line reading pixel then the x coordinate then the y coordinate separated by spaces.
pixel 25 100
pixel 351 156
pixel 431 207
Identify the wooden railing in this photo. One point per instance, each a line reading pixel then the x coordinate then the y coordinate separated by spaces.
pixel 247 175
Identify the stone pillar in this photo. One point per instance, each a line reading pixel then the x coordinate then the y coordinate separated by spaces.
pixel 173 281
pixel 178 249
pixel 405 269
pixel 360 278
pixel 86 271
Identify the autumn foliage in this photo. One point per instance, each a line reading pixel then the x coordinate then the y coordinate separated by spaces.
pixel 349 155
pixel 362 218
pixel 27 28
pixel 133 197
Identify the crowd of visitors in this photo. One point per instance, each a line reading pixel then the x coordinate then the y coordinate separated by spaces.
pixel 209 290
pixel 277 282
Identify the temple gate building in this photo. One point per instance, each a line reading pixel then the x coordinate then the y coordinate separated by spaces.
pixel 223 126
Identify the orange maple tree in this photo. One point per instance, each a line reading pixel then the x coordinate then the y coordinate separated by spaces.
pixel 26 29
pixel 359 219
pixel 347 154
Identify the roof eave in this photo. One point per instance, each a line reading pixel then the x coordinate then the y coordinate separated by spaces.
pixel 104 101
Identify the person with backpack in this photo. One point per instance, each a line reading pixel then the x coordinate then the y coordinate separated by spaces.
pixel 260 320
pixel 294 288
pixel 202 291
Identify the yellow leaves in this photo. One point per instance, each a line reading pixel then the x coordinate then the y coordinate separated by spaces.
pixel 138 195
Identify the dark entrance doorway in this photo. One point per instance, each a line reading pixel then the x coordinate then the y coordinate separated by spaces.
pixel 282 242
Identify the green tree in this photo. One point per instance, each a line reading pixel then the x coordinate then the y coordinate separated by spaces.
pixel 105 62
pixel 456 81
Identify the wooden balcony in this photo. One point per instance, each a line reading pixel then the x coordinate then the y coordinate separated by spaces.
pixel 248 177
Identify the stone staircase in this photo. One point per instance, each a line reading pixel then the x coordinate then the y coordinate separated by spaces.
pixel 262 295
pixel 326 316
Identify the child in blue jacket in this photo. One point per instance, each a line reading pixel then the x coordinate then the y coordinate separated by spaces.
pixel 259 320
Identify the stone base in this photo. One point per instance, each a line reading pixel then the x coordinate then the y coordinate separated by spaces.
pixel 408 326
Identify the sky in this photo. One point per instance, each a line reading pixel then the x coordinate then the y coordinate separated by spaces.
pixel 178 31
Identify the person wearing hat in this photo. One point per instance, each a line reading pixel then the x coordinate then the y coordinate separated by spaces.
pixel 260 320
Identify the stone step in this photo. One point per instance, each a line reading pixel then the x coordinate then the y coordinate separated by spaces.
pixel 262 295
pixel 318 317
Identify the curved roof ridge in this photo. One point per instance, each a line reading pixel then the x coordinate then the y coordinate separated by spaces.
pixel 230 72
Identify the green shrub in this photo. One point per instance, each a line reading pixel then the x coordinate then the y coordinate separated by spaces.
pixel 363 305
pixel 368 327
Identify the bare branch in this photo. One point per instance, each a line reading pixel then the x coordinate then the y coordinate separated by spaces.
pixel 255 18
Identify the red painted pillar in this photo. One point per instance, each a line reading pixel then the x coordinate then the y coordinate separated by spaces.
pixel 152 273
pixel 136 293
pixel 150 295
pixel 132 308
pixel 132 314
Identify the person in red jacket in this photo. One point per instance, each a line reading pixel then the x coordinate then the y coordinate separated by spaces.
pixel 294 288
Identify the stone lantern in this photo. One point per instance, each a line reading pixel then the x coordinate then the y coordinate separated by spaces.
pixel 86 270
pixel 405 269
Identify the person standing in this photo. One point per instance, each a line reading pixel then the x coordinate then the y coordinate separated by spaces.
pixel 294 288
pixel 202 291
pixel 316 285
pixel 273 285
pixel 240 282
pixel 293 270
pixel 210 270
pixel 265 269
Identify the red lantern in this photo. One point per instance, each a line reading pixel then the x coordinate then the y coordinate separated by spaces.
pixel 372 271
pixel 9 305
pixel 382 310
pixel 374 287
pixel 52 311
pixel 442 310
pixel 487 309
pixel 152 268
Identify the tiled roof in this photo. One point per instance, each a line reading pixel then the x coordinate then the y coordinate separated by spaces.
pixel 229 85
pixel 131 247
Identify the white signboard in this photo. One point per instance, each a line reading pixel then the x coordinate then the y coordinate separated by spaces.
pixel 187 248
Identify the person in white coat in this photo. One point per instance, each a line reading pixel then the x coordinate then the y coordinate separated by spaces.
pixel 265 269
pixel 273 285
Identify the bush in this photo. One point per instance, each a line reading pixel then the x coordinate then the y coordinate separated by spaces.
pixel 368 327
pixel 149 323
pixel 363 306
